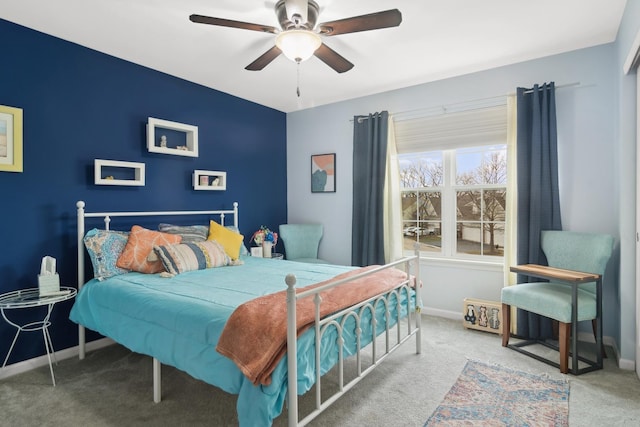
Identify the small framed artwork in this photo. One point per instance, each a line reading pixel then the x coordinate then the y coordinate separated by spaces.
pixel 10 139
pixel 323 173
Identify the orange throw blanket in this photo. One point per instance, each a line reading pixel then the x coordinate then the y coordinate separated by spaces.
pixel 255 336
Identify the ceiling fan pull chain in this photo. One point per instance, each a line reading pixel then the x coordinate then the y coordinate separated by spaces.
pixel 298 79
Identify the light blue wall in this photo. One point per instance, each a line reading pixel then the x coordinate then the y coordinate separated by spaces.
pixel 588 155
pixel 626 167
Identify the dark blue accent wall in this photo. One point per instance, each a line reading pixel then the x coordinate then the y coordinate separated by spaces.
pixel 79 105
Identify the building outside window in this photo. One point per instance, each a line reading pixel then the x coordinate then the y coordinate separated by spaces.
pixel 453 201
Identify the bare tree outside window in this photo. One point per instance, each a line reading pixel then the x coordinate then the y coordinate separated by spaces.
pixel 480 207
pixel 479 191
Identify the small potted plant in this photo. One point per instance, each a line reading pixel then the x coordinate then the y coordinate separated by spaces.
pixel 265 238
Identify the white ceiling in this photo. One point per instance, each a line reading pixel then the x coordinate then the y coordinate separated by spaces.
pixel 436 39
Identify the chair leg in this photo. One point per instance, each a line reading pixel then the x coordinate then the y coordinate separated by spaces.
pixel 564 332
pixel 594 326
pixel 506 324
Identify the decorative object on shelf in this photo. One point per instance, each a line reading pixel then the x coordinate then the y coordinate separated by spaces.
pixel 265 238
pixel 209 180
pixel 323 173
pixel 115 172
pixel 10 139
pixel 186 137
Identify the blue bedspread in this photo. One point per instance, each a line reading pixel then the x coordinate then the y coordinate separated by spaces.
pixel 178 320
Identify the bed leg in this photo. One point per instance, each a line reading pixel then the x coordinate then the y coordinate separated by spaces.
pixel 157 381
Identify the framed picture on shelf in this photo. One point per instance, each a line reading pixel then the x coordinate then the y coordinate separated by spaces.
pixel 323 173
pixel 10 139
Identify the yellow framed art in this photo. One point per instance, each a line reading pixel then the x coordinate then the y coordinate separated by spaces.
pixel 10 139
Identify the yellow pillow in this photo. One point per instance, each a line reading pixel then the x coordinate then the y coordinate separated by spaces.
pixel 230 240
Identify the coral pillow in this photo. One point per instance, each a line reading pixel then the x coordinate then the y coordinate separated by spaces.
pixel 139 245
pixel 230 240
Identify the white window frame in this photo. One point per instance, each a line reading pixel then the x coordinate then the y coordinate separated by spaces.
pixel 448 212
pixel 479 123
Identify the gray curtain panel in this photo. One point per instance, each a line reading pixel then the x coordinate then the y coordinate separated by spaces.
pixel 369 163
pixel 538 195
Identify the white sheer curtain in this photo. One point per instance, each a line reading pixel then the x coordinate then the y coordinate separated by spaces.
pixel 510 233
pixel 392 201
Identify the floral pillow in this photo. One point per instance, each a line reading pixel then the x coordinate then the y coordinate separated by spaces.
pixel 104 248
pixel 140 245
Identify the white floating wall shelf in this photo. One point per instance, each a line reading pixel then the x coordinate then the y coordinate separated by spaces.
pixel 209 180
pixel 158 142
pixel 114 172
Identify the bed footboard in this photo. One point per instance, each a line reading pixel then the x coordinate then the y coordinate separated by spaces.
pixel 337 320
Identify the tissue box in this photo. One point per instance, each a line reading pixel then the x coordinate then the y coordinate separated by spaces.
pixel 48 283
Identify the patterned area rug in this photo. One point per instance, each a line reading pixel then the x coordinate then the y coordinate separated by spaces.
pixel 489 395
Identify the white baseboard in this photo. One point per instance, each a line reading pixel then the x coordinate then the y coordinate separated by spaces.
pixel 36 362
pixel 626 364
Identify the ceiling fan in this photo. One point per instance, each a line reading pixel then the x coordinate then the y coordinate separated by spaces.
pixel 299 37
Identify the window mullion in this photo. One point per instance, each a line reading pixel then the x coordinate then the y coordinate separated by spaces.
pixel 449 205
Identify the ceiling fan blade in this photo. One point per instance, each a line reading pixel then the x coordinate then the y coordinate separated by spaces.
pixel 264 59
pixel 297 7
pixel 372 21
pixel 333 59
pixel 201 19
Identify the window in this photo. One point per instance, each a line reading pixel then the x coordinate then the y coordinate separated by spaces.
pixel 453 201
pixel 453 179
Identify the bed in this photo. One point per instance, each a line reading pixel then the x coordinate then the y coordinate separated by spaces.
pixel 187 320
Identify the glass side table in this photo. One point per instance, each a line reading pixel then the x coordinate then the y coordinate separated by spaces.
pixel 28 298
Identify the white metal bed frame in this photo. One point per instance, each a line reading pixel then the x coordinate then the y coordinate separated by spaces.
pixel 321 325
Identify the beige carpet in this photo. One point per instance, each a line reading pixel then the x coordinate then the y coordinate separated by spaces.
pixel 113 387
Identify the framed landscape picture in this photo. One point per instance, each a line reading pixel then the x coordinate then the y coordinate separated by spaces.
pixel 323 173
pixel 10 139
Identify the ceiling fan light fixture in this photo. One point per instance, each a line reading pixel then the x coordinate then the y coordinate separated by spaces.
pixel 298 45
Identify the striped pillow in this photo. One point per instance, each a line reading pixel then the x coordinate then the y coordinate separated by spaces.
pixel 181 257
pixel 189 233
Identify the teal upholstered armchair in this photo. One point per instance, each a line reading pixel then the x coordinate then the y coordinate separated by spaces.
pixel 566 250
pixel 301 241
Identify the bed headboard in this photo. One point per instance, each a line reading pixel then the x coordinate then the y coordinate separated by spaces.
pixel 106 217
